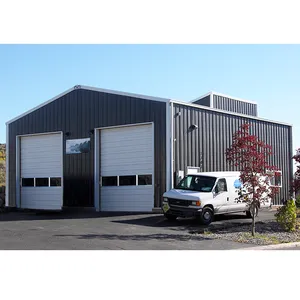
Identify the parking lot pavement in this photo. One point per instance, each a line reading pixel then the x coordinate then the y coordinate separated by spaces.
pixel 90 231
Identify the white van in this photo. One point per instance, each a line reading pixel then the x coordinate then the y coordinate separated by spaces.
pixel 204 195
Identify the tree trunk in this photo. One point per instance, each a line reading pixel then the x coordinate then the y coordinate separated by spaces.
pixel 253 225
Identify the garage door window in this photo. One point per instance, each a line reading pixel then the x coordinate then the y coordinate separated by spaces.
pixel 127 180
pixel 27 181
pixel 145 179
pixel 55 181
pixel 110 181
pixel 42 182
pixel 38 182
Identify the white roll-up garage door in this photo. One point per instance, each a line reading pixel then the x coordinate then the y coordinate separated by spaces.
pixel 127 160
pixel 41 171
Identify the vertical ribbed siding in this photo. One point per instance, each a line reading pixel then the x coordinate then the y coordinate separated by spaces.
pixel 78 112
pixel 214 136
pixel 233 105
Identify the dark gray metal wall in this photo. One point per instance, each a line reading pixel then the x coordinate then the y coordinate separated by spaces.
pixel 78 112
pixel 205 147
pixel 203 101
pixel 233 105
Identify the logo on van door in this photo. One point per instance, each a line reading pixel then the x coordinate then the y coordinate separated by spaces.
pixel 237 184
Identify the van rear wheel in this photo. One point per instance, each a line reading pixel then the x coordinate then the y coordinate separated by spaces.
pixel 206 216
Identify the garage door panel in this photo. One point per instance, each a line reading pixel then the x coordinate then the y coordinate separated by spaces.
pixel 119 165
pixel 130 170
pixel 134 156
pixel 124 160
pixel 127 151
pixel 41 198
pixel 136 199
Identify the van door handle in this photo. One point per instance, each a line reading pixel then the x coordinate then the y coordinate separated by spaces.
pixel 227 198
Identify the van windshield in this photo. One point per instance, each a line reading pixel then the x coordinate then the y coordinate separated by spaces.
pixel 197 183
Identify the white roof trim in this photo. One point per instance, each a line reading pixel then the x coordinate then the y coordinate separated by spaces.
pixel 124 94
pixel 228 112
pixel 91 89
pixel 205 95
pixel 222 95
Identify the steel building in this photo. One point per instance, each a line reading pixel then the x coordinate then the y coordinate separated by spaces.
pixel 116 151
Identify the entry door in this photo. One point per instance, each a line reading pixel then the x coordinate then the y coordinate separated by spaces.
pixel 221 196
pixel 126 168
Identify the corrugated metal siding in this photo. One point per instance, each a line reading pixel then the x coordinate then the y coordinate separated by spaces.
pixel 233 105
pixel 78 112
pixel 203 101
pixel 205 147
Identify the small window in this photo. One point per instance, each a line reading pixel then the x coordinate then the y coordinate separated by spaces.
pixel 42 182
pixel 109 181
pixel 27 181
pixel 145 179
pixel 55 181
pixel 127 180
pixel 276 179
pixel 221 186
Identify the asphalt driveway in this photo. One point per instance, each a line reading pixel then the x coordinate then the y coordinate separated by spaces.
pixel 100 231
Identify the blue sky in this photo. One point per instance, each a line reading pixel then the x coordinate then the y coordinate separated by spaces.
pixel 267 74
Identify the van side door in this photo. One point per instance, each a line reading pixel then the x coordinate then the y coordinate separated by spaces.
pixel 220 196
pixel 235 204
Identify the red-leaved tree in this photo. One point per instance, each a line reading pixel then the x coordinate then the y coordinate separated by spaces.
pixel 296 181
pixel 250 156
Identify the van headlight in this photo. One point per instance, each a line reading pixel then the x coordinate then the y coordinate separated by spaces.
pixel 196 203
pixel 165 199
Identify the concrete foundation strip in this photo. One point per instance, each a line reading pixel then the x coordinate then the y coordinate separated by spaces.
pixel 274 247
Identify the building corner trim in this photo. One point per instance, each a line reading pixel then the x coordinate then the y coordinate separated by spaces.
pixel 7 167
pixel 168 145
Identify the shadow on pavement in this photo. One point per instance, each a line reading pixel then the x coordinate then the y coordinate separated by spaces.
pixel 135 237
pixel 161 221
pixel 60 215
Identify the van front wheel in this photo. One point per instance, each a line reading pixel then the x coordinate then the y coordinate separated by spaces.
pixel 206 216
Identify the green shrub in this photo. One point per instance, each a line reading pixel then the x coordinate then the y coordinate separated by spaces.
pixel 286 216
pixel 298 201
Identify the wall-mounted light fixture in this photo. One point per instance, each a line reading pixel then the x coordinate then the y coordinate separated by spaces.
pixel 178 114
pixel 92 131
pixel 68 133
pixel 193 127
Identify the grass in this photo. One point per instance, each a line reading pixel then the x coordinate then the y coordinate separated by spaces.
pixel 247 236
pixel 207 232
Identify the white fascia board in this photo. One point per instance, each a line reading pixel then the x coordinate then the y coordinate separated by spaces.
pixel 124 94
pixel 90 89
pixel 228 113
pixel 205 95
